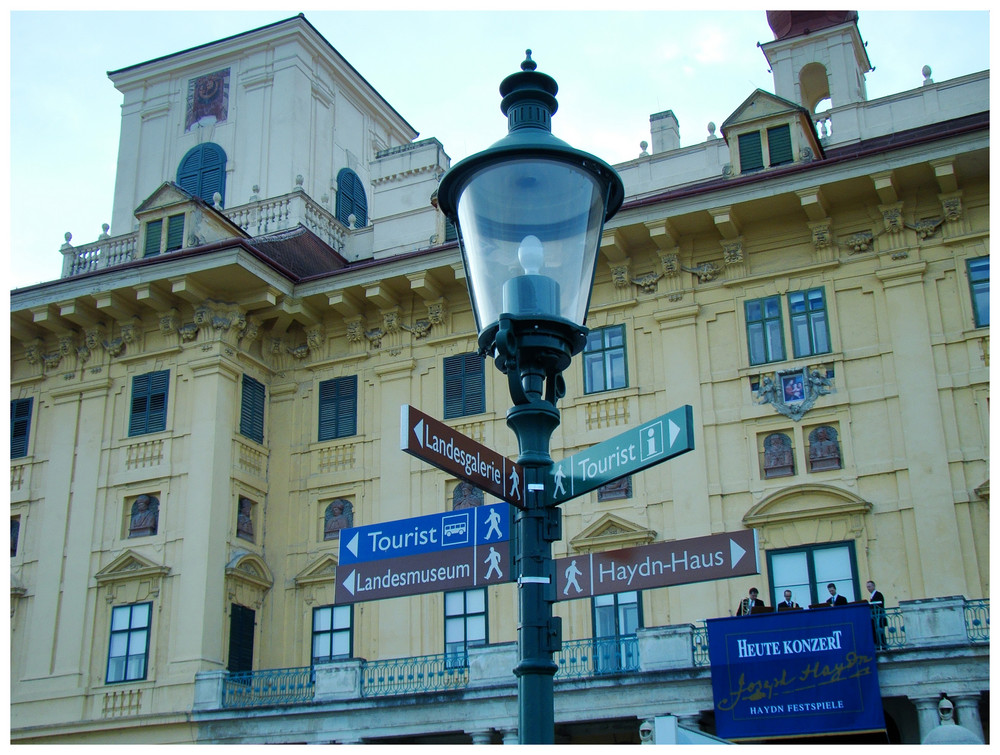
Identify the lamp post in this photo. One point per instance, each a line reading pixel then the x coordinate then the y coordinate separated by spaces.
pixel 530 210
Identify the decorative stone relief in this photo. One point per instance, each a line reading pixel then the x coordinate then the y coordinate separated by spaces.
pixel 792 393
pixel 732 252
pixel 821 237
pixel 952 207
pixel 926 228
pixel 892 217
pixel 188 332
pixel 94 337
pixel 355 329
pixel 419 329
pixel 33 352
pixel 390 321
pixel 706 271
pixel 436 311
pixel 115 347
pixel 861 242
pixel 315 336
pixel 619 275
pixel 648 282
pixel 671 264
pixel 169 321
pixel 131 331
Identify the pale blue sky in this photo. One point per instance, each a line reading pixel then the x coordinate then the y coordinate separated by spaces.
pixel 439 69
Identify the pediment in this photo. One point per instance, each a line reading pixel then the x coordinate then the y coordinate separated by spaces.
pixel 130 565
pixel 611 532
pixel 805 502
pixel 251 569
pixel 760 105
pixel 167 195
pixel 324 569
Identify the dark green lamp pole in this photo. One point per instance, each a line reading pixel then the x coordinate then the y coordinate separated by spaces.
pixel 530 210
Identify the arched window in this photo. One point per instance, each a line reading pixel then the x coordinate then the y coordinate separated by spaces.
pixel 202 172
pixel 351 199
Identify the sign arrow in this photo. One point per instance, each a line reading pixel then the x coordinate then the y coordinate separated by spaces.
pixel 349 582
pixel 735 553
pixel 674 430
pixel 352 546
pixel 418 430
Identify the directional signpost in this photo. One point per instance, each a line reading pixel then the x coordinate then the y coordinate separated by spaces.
pixel 437 444
pixel 698 559
pixel 456 550
pixel 651 443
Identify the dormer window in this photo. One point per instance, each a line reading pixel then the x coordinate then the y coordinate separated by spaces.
pixel 779 148
pixel 767 131
pixel 155 242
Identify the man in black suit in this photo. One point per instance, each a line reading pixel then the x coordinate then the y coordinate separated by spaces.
pixel 787 602
pixel 834 599
pixel 879 621
pixel 749 603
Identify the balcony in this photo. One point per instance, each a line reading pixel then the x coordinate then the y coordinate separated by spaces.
pixel 936 627
pixel 256 218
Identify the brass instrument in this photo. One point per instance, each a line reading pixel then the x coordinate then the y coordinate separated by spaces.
pixel 745 607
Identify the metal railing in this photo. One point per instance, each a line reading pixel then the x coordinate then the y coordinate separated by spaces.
pixel 977 620
pixel 597 656
pixel 277 686
pixel 424 673
pixel 890 631
pixel 699 646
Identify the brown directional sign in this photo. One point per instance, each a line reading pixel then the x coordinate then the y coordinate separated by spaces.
pixel 437 571
pixel 437 444
pixel 698 559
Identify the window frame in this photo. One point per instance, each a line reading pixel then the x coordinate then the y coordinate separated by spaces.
pixel 171 243
pixel 764 320
pixel 455 657
pixel 784 133
pixel 129 631
pixel 333 408
pixel 351 198
pixel 253 403
pixel 333 632
pixel 20 440
pixel 464 385
pixel 743 143
pixel 153 417
pixel 978 286
pixel 153 242
pixel 606 355
pixel 811 317
pixel 816 584
pixel 614 657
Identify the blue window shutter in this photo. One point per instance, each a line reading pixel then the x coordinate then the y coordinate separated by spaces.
pixel 351 198
pixel 202 172
pixel 338 407
pixel 175 232
pixel 252 409
pixel 779 145
pixel 20 426
pixel 154 230
pixel 149 403
pixel 751 153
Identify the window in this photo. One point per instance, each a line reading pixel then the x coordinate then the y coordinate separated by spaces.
pixel 751 154
pixel 616 619
pixel 464 624
pixel 241 624
pixel 810 329
pixel 129 647
pixel 154 232
pixel 175 232
pixel 338 408
pixel 806 571
pixel 351 199
pixel 464 385
pixel 20 426
pixel 252 410
pixel 15 534
pixel 779 145
pixel 979 284
pixel 604 360
pixel 332 635
pixel 202 172
pixel 149 403
pixel 764 337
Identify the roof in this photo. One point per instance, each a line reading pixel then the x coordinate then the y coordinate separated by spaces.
pixel 300 251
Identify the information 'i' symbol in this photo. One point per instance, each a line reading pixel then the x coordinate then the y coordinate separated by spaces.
pixel 651 449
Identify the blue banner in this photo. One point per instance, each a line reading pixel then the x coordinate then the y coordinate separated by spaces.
pixel 795 673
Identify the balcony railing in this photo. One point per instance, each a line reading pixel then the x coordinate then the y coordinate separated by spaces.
pixel 891 632
pixel 597 656
pixel 278 686
pixel 425 673
pixel 977 620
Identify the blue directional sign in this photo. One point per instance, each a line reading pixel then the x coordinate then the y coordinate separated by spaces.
pixel 480 525
pixel 651 443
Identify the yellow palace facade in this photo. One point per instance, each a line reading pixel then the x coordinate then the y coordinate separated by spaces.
pixel 211 392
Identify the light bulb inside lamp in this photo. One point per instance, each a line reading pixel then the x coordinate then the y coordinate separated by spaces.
pixel 530 255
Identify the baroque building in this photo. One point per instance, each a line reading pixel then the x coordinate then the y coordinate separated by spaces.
pixel 210 393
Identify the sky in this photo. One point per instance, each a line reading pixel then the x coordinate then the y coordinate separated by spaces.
pixel 440 69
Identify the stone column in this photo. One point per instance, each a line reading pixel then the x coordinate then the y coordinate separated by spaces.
pixel 481 737
pixel 927 714
pixel 509 736
pixel 967 708
pixel 690 721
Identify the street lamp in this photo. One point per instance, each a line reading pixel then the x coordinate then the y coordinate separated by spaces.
pixel 530 210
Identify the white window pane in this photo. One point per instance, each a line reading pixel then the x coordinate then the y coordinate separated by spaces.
pixel 475 601
pixel 119 645
pixel 820 333
pixel 321 646
pixel 476 629
pixel 454 604
pixel 342 617
pixel 616 369
pixel 341 644
pixel 321 619
pixel 136 667
pixel 140 615
pixel 604 617
pixel 116 670
pixel 629 620
pixel 454 630
pixel 790 571
pixel 120 617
